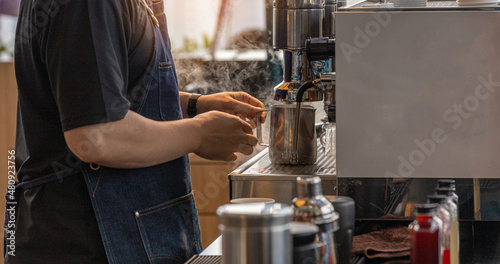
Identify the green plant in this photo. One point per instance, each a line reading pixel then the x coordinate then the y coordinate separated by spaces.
pixel 3 47
pixel 189 45
pixel 207 42
pixel 6 49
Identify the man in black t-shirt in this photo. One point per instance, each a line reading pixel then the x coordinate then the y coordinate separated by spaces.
pixel 84 70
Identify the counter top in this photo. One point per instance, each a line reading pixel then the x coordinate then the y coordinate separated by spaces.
pixel 214 249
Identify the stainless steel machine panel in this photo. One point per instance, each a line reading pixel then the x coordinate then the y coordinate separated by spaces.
pixel 259 177
pixel 418 93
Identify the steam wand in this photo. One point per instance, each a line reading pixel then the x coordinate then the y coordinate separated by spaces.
pixel 298 98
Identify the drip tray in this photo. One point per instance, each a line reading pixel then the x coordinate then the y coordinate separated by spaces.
pixel 261 166
pixel 197 259
pixel 258 177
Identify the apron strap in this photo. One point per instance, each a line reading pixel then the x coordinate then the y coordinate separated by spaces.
pixel 25 185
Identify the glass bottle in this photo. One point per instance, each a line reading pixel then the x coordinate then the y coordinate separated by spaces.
pixel 454 226
pixel 425 235
pixel 311 206
pixel 450 184
pixel 444 215
pixel 328 138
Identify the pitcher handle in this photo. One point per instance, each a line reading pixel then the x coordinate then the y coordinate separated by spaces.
pixel 259 128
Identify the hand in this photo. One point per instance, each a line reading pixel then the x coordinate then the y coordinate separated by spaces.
pixel 222 134
pixel 236 103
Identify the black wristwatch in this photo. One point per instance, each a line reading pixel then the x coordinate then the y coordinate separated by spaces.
pixel 191 110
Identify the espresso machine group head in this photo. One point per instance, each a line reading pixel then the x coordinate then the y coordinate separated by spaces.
pixel 304 30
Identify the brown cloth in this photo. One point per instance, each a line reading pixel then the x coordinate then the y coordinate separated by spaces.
pixel 386 243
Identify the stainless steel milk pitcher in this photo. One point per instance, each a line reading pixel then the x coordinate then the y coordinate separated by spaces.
pixel 289 144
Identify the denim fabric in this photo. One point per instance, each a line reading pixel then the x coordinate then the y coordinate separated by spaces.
pixel 149 215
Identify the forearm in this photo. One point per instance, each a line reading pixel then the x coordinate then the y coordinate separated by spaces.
pixel 184 98
pixel 134 142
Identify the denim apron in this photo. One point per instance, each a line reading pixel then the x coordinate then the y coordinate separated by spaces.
pixel 149 215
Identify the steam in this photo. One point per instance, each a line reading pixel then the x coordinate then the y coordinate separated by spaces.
pixel 258 78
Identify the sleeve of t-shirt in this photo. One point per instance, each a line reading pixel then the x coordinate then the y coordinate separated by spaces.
pixel 85 50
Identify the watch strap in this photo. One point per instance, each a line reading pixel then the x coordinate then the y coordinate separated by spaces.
pixel 191 109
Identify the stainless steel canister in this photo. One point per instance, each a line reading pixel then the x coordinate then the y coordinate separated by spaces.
pixel 282 132
pixel 329 22
pixel 295 21
pixel 255 233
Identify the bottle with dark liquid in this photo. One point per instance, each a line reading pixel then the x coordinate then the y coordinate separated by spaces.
pixel 425 235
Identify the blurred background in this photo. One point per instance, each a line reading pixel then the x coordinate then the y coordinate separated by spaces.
pixel 7 34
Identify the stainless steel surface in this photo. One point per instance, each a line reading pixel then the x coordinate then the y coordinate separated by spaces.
pixel 311 206
pixel 204 259
pixel 299 4
pixel 417 94
pixel 282 147
pixel 259 177
pixel 300 67
pixel 431 6
pixel 329 25
pixel 260 167
pixel 292 27
pixel 255 233
pixel 309 187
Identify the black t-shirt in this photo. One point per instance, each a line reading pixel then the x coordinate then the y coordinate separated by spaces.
pixel 78 63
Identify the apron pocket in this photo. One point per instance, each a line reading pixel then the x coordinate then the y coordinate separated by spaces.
pixel 170 231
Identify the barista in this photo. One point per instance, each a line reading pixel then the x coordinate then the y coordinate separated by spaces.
pixel 103 135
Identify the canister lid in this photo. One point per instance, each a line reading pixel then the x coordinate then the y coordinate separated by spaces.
pixel 340 200
pixel 445 191
pixel 425 208
pixel 346 208
pixel 446 184
pixel 254 215
pixel 436 198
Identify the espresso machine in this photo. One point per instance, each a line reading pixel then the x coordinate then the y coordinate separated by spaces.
pixel 298 31
pixel 414 94
pixel 304 32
